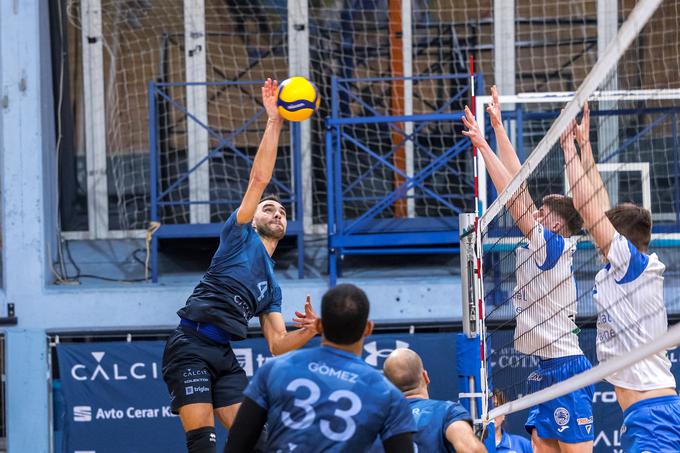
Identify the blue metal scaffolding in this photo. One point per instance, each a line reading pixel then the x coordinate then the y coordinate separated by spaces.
pixel 371 231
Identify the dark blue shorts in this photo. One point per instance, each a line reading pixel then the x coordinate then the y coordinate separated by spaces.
pixel 568 418
pixel 652 425
pixel 197 369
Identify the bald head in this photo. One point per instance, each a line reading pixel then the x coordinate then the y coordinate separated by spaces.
pixel 404 369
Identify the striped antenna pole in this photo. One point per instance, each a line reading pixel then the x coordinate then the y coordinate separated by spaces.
pixel 479 286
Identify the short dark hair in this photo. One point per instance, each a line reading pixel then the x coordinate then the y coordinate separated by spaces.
pixel 633 222
pixel 270 197
pixel 344 314
pixel 563 206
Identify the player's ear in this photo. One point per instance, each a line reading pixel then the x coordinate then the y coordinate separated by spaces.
pixel 369 328
pixel 319 326
pixel 426 377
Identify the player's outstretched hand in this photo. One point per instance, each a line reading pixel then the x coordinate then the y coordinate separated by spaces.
pixel 567 140
pixel 270 92
pixel 494 109
pixel 583 129
pixel 473 133
pixel 306 320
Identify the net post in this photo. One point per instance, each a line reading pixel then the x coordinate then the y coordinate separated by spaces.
pixel 469 345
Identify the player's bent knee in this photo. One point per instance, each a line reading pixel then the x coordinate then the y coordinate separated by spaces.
pixel 202 440
pixel 198 415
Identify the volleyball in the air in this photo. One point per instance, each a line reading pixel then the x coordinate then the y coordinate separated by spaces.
pixel 298 98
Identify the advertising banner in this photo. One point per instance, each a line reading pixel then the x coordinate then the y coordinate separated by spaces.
pixel 112 398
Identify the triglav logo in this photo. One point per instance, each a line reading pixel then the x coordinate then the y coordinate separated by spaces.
pixel 374 352
pixel 82 413
pixel 113 371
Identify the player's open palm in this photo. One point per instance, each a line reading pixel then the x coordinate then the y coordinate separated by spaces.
pixel 306 320
pixel 582 130
pixel 494 109
pixel 270 92
pixel 473 133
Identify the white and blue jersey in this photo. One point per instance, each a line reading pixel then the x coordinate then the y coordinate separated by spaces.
pixel 652 425
pixel 326 399
pixel 238 285
pixel 512 443
pixel 544 298
pixel 631 312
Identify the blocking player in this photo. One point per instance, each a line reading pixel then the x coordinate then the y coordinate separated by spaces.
pixel 544 297
pixel 199 367
pixel 325 398
pixel 442 426
pixel 629 297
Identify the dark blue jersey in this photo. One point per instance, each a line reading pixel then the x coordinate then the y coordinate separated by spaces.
pixel 512 443
pixel 326 399
pixel 432 418
pixel 239 284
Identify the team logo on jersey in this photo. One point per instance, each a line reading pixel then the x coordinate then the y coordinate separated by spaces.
pixel 374 353
pixel 535 376
pixel 584 420
pixel 561 416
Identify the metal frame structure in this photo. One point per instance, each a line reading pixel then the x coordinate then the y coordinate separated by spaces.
pixel 367 235
pixel 293 193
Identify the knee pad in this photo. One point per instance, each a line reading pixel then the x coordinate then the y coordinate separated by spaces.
pixel 202 440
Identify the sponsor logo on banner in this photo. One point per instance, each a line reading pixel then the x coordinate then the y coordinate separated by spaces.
pixel 509 358
pixel 245 359
pixel 604 397
pixel 611 440
pixel 99 370
pixel 82 413
pixel 87 414
pixel 374 353
pixel 561 416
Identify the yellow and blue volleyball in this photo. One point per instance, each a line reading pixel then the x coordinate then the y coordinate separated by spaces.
pixel 298 98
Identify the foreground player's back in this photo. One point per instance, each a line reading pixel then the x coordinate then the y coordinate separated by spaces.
pixel 327 399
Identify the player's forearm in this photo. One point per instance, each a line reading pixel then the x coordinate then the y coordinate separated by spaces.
pixel 265 159
pixel 590 167
pixel 290 341
pixel 506 151
pixel 500 176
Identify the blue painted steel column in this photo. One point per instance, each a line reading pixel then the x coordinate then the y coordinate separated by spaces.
pixel 153 166
pixel 27 396
pixel 676 167
pixel 27 117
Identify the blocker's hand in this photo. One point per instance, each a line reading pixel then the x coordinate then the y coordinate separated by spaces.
pixel 306 320
pixel 583 129
pixel 473 133
pixel 270 92
pixel 494 110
